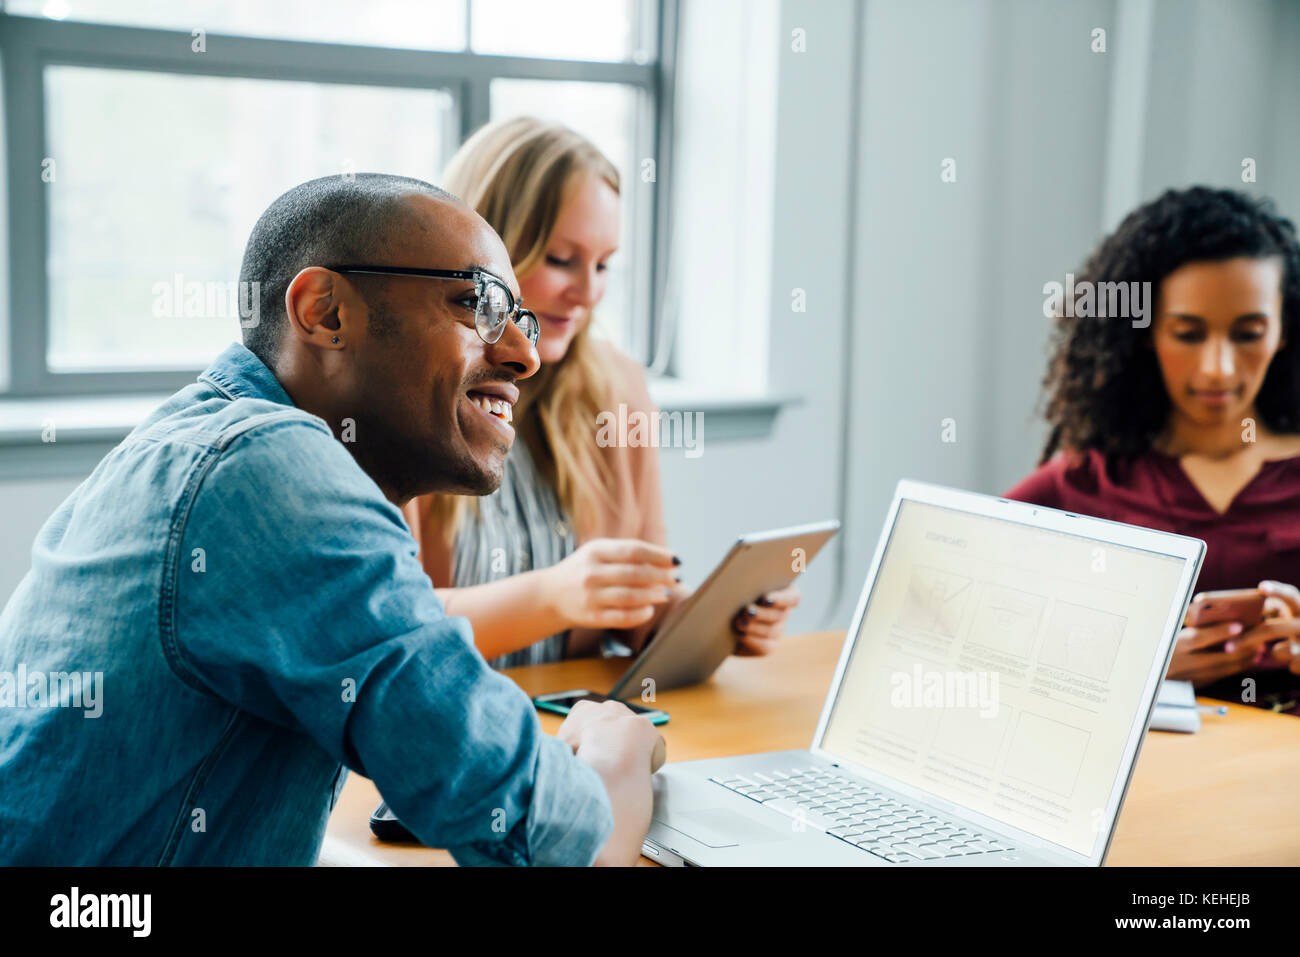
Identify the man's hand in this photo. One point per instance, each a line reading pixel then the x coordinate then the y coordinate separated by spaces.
pixel 620 746
pixel 609 731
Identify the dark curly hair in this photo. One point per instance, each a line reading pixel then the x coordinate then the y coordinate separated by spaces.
pixel 1103 387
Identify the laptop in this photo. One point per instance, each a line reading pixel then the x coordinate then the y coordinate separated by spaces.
pixel 987 708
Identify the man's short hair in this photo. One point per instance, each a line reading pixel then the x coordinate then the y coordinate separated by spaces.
pixel 323 222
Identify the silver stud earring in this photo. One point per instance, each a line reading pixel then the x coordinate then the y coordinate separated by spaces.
pixel 335 340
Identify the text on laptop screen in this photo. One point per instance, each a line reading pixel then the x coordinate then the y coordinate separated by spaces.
pixel 1001 666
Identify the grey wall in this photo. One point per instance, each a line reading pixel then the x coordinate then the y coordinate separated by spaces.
pixel 1224 84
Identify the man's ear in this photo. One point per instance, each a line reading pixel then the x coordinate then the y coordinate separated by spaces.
pixel 312 304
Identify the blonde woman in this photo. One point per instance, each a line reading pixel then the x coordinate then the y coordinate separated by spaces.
pixel 572 547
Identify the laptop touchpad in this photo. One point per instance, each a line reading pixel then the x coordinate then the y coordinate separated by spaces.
pixel 723 827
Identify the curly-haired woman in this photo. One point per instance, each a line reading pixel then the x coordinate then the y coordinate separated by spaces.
pixel 1187 419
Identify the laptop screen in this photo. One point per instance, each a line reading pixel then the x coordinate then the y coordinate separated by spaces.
pixel 1001 667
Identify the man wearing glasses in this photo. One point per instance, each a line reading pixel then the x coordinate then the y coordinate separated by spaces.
pixel 239 575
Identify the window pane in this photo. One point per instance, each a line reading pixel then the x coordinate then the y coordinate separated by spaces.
pixel 605 113
pixel 427 25
pixel 560 29
pixel 159 179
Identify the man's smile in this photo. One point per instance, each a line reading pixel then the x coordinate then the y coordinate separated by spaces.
pixel 495 401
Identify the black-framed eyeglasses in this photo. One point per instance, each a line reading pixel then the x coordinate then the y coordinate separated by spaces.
pixel 494 303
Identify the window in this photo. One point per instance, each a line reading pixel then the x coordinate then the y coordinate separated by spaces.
pixel 427 25
pixel 722 211
pixel 159 132
pixel 143 210
pixel 610 30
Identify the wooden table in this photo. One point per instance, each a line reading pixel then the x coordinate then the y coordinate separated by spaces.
pixel 1223 796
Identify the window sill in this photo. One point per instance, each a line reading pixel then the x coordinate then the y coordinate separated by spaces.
pixel 727 417
pixel 85 429
pixel 65 437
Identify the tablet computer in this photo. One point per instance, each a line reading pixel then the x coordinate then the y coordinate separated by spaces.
pixel 696 636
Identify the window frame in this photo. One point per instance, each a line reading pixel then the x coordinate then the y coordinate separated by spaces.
pixel 29 44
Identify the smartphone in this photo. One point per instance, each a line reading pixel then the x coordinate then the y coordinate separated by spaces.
pixel 385 826
pixel 562 702
pixel 1245 605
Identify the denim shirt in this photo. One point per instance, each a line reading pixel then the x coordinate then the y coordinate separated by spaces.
pixel 248 617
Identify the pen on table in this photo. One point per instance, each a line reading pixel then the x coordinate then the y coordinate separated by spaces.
pixel 1212 709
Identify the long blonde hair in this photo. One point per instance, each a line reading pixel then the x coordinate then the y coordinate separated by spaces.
pixel 516 174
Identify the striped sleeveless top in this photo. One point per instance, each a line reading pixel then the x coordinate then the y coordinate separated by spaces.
pixel 519 527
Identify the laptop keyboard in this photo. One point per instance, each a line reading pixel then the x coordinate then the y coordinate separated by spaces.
pixel 856 814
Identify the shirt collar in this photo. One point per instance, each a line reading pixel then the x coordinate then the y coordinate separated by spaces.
pixel 239 373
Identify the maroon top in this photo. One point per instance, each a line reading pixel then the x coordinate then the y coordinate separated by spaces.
pixel 1257 538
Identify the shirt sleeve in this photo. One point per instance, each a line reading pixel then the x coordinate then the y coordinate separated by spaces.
pixel 310 610
pixel 1040 487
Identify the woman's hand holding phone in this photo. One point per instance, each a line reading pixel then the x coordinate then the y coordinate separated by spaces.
pixel 1282 604
pixel 1209 650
